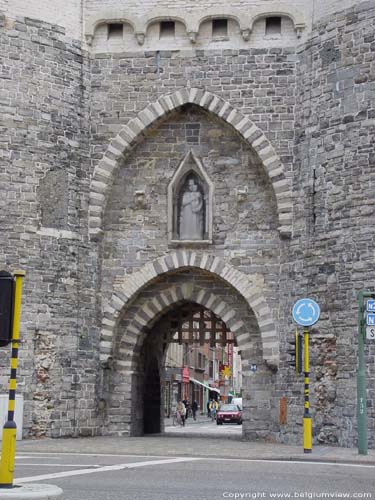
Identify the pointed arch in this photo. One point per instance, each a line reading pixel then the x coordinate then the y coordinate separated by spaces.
pixel 130 134
pixel 245 285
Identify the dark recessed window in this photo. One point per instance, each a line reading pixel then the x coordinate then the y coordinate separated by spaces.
pixel 167 29
pixel 220 27
pixel 115 30
pixel 273 25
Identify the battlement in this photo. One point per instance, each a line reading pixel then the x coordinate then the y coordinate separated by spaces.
pixel 80 18
pixel 220 27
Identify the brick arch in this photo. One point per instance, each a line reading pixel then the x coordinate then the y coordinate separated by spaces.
pixel 129 287
pixel 129 135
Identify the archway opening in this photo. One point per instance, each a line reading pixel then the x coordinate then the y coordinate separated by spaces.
pixel 189 355
pixel 143 335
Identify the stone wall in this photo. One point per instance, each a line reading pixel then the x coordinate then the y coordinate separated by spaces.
pixel 43 159
pixel 334 174
pixel 67 15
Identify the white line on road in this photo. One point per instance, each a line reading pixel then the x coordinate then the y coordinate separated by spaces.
pixel 260 460
pixel 107 468
pixel 286 462
pixel 56 465
pixel 73 454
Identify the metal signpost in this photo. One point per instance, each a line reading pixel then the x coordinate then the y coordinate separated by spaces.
pixel 306 312
pixel 366 330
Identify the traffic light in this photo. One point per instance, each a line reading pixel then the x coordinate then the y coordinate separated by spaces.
pixel 296 352
pixel 6 307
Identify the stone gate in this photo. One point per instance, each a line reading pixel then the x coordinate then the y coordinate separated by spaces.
pixel 259 118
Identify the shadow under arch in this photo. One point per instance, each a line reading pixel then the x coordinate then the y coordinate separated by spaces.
pixel 134 130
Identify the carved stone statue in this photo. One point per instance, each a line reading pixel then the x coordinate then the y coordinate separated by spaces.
pixel 191 213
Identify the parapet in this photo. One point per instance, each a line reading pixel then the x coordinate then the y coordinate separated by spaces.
pixel 202 27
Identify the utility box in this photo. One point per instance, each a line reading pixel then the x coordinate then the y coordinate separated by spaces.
pixel 18 414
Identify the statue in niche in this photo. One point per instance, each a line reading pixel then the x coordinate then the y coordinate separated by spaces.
pixel 192 208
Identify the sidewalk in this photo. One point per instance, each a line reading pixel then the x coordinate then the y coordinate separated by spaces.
pixel 200 419
pixel 205 447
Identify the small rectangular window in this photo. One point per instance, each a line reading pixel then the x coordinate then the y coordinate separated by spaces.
pixel 167 29
pixel 220 27
pixel 273 25
pixel 115 30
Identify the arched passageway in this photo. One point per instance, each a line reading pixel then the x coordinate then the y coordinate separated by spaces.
pixel 191 341
pixel 137 392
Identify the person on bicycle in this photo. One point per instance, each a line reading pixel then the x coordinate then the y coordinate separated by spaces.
pixel 214 406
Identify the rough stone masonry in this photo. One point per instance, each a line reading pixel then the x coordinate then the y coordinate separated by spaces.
pixel 103 112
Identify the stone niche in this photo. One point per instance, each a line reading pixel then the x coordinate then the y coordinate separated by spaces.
pixel 190 202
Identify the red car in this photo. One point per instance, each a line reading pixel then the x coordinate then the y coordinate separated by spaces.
pixel 229 413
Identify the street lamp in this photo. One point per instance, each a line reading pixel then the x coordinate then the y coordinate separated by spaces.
pixel 185 372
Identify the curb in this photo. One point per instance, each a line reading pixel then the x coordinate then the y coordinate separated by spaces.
pixel 31 491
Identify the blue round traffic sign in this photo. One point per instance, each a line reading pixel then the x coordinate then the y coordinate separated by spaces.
pixel 306 312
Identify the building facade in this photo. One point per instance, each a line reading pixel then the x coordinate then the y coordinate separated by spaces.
pixel 263 113
pixel 205 375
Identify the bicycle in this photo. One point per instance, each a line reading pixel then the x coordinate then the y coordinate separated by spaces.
pixel 176 419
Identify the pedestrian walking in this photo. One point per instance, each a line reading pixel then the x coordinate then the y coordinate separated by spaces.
pixel 181 410
pixel 194 408
pixel 187 406
pixel 208 408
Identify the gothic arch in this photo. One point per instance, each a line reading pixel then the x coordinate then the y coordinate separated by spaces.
pixel 126 289
pixel 132 132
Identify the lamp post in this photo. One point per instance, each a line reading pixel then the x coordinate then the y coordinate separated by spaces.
pixel 186 372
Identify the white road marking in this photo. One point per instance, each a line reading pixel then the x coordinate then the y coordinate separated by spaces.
pixel 57 465
pixel 286 462
pixel 107 468
pixel 260 460
pixel 41 454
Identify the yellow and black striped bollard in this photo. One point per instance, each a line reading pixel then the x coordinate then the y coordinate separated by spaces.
pixel 307 422
pixel 8 452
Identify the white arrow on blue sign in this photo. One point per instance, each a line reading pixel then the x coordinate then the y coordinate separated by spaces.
pixel 370 319
pixel 370 306
pixel 306 312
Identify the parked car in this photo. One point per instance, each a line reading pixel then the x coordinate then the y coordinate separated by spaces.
pixel 229 413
